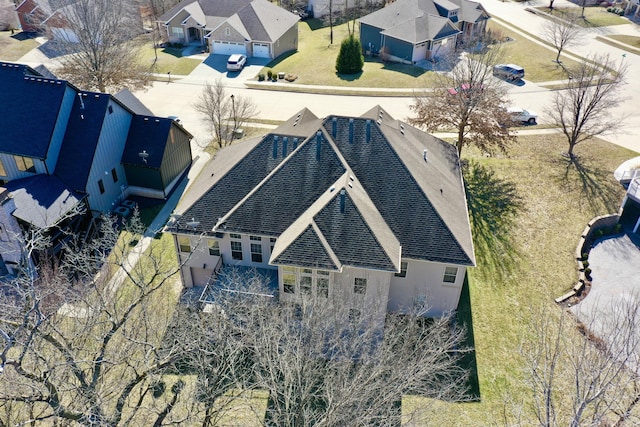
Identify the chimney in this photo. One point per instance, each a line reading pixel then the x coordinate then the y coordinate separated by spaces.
pixel 342 200
pixel 368 130
pixel 351 131
pixel 275 147
pixel 334 127
pixel 285 141
pixel 318 144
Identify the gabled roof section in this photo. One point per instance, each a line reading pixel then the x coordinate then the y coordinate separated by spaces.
pixel 307 250
pixel 150 135
pixel 471 11
pixel 423 28
pixel 41 200
pixel 27 127
pixel 232 177
pixel 171 13
pixel 289 191
pixel 266 21
pixel 400 12
pixel 81 139
pixel 429 224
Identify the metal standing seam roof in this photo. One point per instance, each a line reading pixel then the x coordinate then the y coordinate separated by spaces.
pixel 35 104
pixel 396 198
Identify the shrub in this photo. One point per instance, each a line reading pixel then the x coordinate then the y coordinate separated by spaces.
pixel 617 229
pixel 587 273
pixel 270 74
pixel 598 233
pixel 260 77
pixel 585 256
pixel 585 264
pixel 350 59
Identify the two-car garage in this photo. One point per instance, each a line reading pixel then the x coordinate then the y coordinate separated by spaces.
pixel 228 48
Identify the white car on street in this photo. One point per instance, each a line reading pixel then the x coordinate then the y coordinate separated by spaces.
pixel 521 115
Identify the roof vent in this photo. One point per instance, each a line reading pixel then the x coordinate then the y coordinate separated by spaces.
pixel 424 154
pixel 351 131
pixel 318 144
pixel 351 178
pixel 81 102
pixel 342 200
pixel 368 130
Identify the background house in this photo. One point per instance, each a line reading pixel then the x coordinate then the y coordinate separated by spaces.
pixel 251 27
pixel 61 150
pixel 368 208
pixel 414 30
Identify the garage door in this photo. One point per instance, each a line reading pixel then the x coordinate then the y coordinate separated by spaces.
pixel 261 50
pixel 200 276
pixel 228 48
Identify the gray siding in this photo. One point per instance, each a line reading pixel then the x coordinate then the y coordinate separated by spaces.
pixel 107 156
pixel 61 126
pixel 286 43
pixel 176 23
pixel 398 48
pixel 177 156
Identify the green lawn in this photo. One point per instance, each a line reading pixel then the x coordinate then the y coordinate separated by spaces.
pixel 536 59
pixel 314 63
pixel 633 41
pixel 593 16
pixel 13 47
pixel 169 59
pixel 534 265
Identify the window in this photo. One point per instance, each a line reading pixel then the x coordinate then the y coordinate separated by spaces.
pixel 256 252
pixel 403 270
pixel 177 32
pixel 114 175
pixel 255 238
pixel 185 244
pixel 450 274
pixel 25 164
pixel 236 251
pixel 323 287
pixel 227 31
pixel 360 286
pixel 214 248
pixel 305 284
pixel 289 280
pixel 235 236
pixel 101 186
pixel 2 170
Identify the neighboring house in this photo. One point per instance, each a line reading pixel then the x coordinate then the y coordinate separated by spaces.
pixel 255 28
pixel 50 16
pixel 367 209
pixel 414 30
pixel 62 148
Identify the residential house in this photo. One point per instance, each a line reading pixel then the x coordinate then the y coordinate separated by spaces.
pixel 64 150
pixel 414 30
pixel 368 208
pixel 256 28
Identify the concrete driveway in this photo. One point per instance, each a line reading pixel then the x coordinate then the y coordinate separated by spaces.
pixel 610 309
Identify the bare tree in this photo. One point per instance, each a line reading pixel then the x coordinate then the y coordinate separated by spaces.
pixel 325 362
pixel 76 347
pixel 225 113
pixel 585 374
pixel 583 109
pixel 562 32
pixel 471 101
pixel 99 41
pixel 8 17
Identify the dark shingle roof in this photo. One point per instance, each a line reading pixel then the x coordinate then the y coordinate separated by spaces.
pixel 289 191
pixel 132 103
pixel 306 251
pixel 396 203
pixel 421 230
pixel 27 126
pixel 41 200
pixel 350 237
pixel 149 134
pixel 81 139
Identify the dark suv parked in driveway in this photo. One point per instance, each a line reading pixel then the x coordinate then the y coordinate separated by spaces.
pixel 508 71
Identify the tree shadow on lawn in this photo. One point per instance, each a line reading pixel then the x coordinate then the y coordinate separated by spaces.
pixel 468 361
pixel 596 185
pixel 493 204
